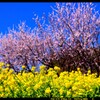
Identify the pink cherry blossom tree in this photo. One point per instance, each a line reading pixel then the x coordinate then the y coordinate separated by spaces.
pixel 17 47
pixel 70 40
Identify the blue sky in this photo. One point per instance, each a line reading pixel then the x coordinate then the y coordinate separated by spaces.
pixel 12 13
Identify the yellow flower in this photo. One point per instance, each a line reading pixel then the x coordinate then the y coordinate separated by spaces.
pixel 75 95
pixel 62 74
pixel 7 69
pixel 36 73
pixel 29 83
pixel 7 89
pixel 50 69
pixel 42 78
pixel 91 90
pixel 19 74
pixel 37 86
pixel 89 72
pixel 42 67
pixel 7 65
pixel 40 83
pixel 2 95
pixel 1 89
pixel 23 67
pixel 61 91
pixel 12 87
pixel 51 73
pixel 33 68
pixel 55 76
pixel 61 96
pixel 56 68
pixel 2 64
pixel 10 71
pixel 69 93
pixel 12 81
pixel 2 77
pixel 5 82
pixel 78 69
pixel 68 85
pixel 47 91
pixel 82 90
pixel 74 88
pixel 28 89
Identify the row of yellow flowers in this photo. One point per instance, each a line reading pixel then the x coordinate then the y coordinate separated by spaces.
pixel 47 83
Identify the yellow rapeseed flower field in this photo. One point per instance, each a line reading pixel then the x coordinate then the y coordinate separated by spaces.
pixel 47 83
